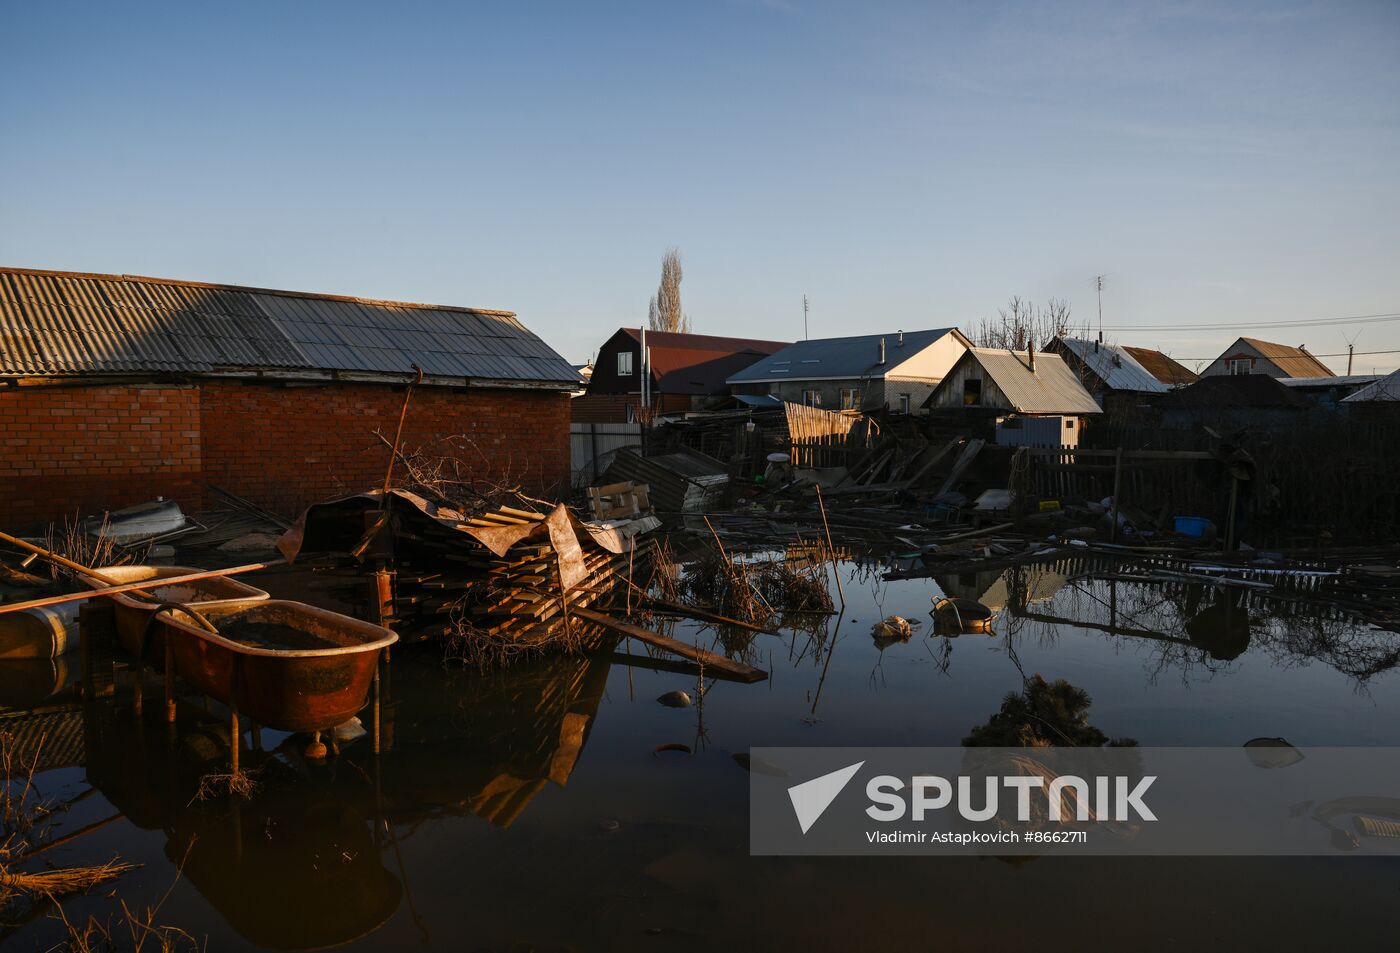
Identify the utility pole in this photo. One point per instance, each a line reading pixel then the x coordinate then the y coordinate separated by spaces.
pixel 805 335
pixel 1098 283
pixel 1351 347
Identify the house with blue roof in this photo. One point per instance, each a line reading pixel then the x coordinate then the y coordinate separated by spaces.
pixel 896 370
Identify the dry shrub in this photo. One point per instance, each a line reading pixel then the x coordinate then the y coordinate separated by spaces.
pixel 466 643
pixel 665 579
pixel 72 542
pixel 243 785
pixel 754 591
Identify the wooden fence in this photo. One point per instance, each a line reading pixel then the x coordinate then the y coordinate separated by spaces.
pixel 820 438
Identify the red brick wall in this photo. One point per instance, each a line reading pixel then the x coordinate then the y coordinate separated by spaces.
pixel 288 447
pixel 89 449
pixel 94 448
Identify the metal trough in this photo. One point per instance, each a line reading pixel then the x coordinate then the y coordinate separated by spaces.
pixel 133 613
pixel 321 680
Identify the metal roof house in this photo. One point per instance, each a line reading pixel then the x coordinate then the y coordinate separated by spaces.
pixel 1105 368
pixel 116 388
pixel 1253 356
pixel 686 371
pixel 60 324
pixel 996 379
pixel 1386 388
pixel 897 370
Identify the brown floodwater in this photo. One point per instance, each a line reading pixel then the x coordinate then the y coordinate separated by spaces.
pixel 530 809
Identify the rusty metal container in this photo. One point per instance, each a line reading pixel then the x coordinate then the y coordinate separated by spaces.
pixel 133 613
pixel 320 680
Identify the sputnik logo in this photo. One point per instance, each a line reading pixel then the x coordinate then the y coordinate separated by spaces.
pixel 810 799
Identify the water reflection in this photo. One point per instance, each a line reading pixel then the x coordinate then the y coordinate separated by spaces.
pixel 312 859
pixel 1193 629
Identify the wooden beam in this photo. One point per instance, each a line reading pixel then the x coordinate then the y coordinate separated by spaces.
pixel 131 586
pixel 737 670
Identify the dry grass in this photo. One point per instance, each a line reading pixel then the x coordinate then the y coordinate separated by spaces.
pixel 22 809
pixel 135 930
pixel 72 542
pixel 243 785
pixel 754 591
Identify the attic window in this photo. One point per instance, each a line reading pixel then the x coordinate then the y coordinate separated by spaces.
pixel 624 363
pixel 1240 365
pixel 972 392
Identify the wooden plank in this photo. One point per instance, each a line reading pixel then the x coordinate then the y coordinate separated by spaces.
pixel 974 447
pixel 737 670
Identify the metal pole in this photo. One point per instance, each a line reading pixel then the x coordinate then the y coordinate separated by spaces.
pixel 1117 488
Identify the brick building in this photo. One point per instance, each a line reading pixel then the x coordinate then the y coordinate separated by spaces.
pixel 117 389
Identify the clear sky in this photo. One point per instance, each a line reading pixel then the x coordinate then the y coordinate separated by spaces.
pixel 902 164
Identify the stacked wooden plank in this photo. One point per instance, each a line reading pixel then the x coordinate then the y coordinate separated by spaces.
pixel 447 580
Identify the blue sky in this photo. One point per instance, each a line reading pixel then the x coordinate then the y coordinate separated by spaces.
pixel 902 164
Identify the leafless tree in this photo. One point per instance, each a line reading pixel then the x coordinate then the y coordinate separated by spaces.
pixel 1022 323
pixel 665 312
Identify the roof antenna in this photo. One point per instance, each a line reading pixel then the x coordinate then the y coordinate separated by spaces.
pixel 1351 348
pixel 1098 284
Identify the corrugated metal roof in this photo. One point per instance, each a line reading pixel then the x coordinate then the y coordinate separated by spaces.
pixel 1160 366
pixel 1341 380
pixel 1114 366
pixel 839 358
pixel 1295 361
pixel 1387 388
pixel 57 323
pixel 1053 388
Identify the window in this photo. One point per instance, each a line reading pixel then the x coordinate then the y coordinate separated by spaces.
pixel 972 392
pixel 812 398
pixel 904 403
pixel 850 398
pixel 624 363
pixel 1240 365
pixel 1069 423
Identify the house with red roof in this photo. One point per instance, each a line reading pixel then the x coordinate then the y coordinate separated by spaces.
pixel 681 372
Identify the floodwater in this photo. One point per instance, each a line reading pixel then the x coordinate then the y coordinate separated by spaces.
pixel 531 810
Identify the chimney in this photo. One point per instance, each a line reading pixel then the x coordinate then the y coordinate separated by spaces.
pixel 901 337
pixel 882 351
pixel 1030 355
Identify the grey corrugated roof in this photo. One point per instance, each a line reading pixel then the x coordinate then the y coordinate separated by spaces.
pixel 1053 388
pixel 57 324
pixel 1387 388
pixel 1114 366
pixel 838 358
pixel 1341 380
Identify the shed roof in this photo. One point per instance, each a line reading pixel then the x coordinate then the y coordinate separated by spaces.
pixel 1387 388
pixel 840 358
pixel 1237 390
pixel 1341 380
pixel 62 324
pixel 1052 388
pixel 1114 365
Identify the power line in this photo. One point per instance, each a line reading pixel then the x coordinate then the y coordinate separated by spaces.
pixel 1292 357
pixel 1351 319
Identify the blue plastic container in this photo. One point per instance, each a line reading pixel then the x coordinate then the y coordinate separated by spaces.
pixel 1196 526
